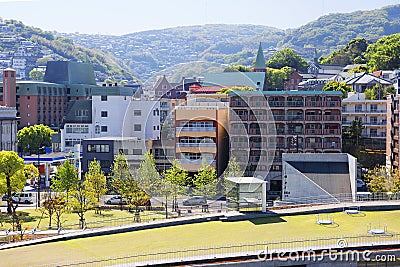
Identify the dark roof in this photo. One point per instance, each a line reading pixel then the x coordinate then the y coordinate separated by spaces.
pixel 73 107
pixel 67 72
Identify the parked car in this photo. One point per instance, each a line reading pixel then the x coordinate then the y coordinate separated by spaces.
pixel 195 201
pixel 115 200
pixel 22 198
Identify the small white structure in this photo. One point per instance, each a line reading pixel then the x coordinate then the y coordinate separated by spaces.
pixel 249 190
pixel 325 219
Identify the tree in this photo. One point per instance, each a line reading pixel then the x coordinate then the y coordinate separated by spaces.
pixel 355 130
pixel 381 179
pixel 148 177
pixel 131 191
pixel 36 75
pixel 237 68
pixel 338 86
pixel 96 181
pixel 235 89
pixel 11 176
pixel 384 54
pixel 352 53
pixel 66 179
pixel 369 94
pixel 30 172
pixel 178 178
pixel 277 77
pixel 83 199
pixel 205 181
pixel 33 139
pixel 287 57
pixel 120 171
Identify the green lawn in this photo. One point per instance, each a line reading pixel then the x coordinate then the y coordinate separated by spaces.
pixel 33 218
pixel 196 235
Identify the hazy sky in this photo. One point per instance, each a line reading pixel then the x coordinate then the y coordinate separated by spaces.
pixel 126 16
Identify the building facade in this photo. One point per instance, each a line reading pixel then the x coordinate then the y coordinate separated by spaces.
pixel 201 126
pixel 8 128
pixel 372 113
pixel 104 149
pixel 392 131
pixel 264 125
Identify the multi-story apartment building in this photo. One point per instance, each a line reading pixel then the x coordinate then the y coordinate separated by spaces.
pixel 8 128
pixel 201 126
pixel 111 112
pixel 372 113
pixel 392 131
pixel 263 125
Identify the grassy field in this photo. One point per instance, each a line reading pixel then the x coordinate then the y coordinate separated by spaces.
pixel 33 218
pixel 196 235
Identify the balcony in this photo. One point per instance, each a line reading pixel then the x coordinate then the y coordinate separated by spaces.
pixel 313 131
pixel 276 103
pixel 195 129
pixel 196 144
pixel 313 117
pixel 279 117
pixel 314 103
pixel 313 146
pixel 375 123
pixel 295 103
pixel 332 145
pixel 332 103
pixel 332 132
pixel 358 111
pixel 295 117
pixel 332 117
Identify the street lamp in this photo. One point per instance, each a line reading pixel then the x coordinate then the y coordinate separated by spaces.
pixel 39 178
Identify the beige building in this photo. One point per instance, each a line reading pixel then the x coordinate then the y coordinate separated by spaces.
pixel 372 113
pixel 201 132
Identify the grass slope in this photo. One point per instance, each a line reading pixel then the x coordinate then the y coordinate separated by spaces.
pixel 196 235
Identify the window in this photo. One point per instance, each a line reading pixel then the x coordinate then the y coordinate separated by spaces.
pixel 29 97
pixel 98 148
pixel 104 114
pixel 77 129
pixel 358 108
pixel 137 152
pixel 137 112
pixel 103 98
pixel 28 106
pixel 105 164
pixel 374 107
pixel 137 127
pixel 104 129
pixel 81 113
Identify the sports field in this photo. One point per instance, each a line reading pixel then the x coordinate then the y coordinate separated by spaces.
pixel 196 235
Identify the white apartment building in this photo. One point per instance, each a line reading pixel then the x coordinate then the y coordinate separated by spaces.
pixel 8 128
pixel 372 113
pixel 110 116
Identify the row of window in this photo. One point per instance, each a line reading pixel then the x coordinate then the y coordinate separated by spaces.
pixel 197 124
pixel 98 148
pixel 81 129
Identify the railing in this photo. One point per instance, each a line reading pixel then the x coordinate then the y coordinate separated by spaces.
pixel 313 117
pixel 331 118
pixel 313 131
pixel 294 246
pixel 195 129
pixel 196 144
pixel 364 111
pixel 332 131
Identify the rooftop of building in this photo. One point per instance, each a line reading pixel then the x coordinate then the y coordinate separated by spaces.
pixel 281 92
pixel 113 138
pixel 68 72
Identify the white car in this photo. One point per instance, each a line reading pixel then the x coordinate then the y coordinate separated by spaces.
pixel 195 201
pixel 116 200
pixel 26 198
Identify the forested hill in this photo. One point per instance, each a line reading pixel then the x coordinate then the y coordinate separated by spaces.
pixel 333 31
pixel 149 52
pixel 146 54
